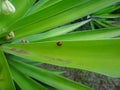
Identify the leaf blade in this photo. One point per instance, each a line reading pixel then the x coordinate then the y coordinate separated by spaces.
pixel 91 55
pixel 29 84
pixel 6 82
pixel 105 33
pixel 47 77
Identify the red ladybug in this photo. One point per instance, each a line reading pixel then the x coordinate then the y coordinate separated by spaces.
pixel 59 43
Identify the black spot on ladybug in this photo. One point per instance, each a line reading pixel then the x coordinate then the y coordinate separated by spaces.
pixel 59 43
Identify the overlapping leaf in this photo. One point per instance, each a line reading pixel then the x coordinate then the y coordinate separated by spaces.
pixel 52 17
pixel 25 82
pixel 47 77
pixel 54 32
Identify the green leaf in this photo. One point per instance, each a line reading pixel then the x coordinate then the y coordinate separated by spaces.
pixel 6 82
pixel 51 17
pixel 42 4
pixel 28 61
pixel 54 32
pixel 106 33
pixel 35 8
pixel 92 25
pixel 21 7
pixel 108 16
pixel 91 55
pixel 108 10
pixel 46 13
pixel 49 3
pixel 25 82
pixel 47 77
pixel 101 23
pixel 32 62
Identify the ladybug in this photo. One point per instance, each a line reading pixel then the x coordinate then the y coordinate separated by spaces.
pixel 59 43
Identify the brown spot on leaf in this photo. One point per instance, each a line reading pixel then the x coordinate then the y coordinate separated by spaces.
pixel 55 59
pixel 63 60
pixel 19 51
pixel 60 60
pixel 13 49
pixel 22 52
pixel 47 57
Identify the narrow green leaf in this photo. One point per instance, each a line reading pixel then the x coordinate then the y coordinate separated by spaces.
pixel 111 23
pixel 101 23
pixel 108 16
pixel 92 25
pixel 28 61
pixel 106 33
pixel 32 62
pixel 25 82
pixel 49 3
pixel 6 82
pixel 42 4
pixel 54 32
pixel 108 10
pixel 92 55
pixel 35 8
pixel 47 77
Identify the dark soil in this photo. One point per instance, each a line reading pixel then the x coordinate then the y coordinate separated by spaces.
pixel 93 80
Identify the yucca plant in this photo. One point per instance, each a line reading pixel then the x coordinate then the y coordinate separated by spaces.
pixel 41 32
